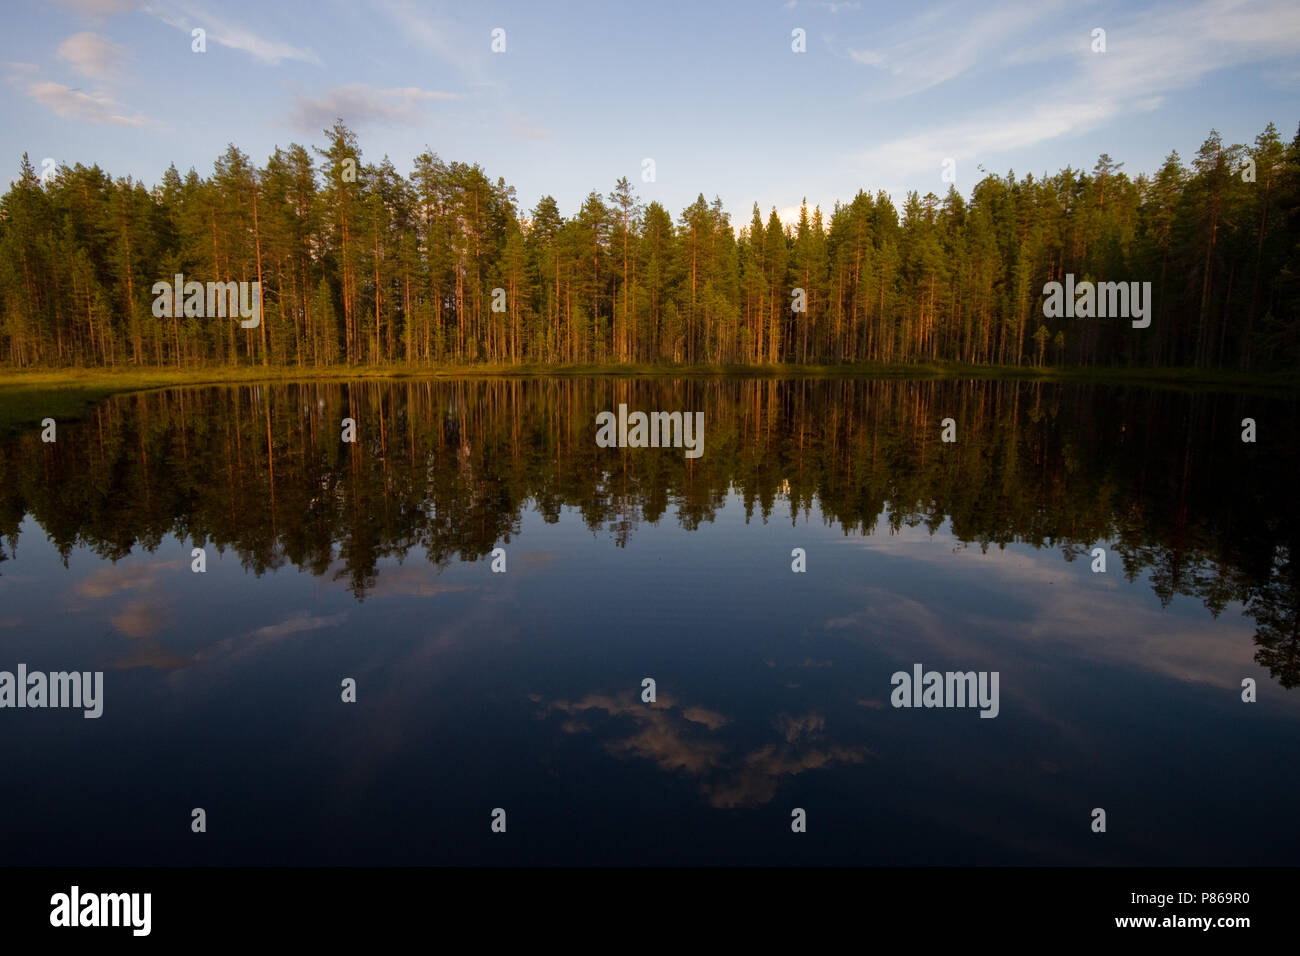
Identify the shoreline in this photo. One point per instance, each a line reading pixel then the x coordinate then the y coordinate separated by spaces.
pixel 140 379
pixel 29 395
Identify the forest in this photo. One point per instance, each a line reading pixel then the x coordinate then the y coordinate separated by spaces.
pixel 360 265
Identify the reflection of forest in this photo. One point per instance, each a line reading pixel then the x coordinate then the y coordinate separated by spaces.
pixel 448 467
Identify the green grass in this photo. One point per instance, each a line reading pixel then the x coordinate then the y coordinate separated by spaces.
pixel 28 396
pixel 23 407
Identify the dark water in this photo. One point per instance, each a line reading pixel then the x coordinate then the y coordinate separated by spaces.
pixel 522 690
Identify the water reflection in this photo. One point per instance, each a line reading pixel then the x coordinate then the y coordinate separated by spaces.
pixel 476 690
pixel 447 470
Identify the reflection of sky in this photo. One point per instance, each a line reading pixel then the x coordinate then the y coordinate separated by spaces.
pixel 1042 598
pixel 522 690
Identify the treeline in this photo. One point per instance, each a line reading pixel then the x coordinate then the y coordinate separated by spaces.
pixel 360 264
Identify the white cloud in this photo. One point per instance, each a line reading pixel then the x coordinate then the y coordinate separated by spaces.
pixel 789 215
pixel 91 55
pixel 360 104
pixel 79 105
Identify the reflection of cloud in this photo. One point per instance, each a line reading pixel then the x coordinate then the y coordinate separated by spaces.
pixel 760 775
pixel 1065 604
pixel 232 648
pixel 660 740
pixel 792 728
pixel 295 624
pixel 412 581
pixel 685 739
pixel 135 576
pixel 152 654
pixel 141 619
pixel 886 615
pixel 700 715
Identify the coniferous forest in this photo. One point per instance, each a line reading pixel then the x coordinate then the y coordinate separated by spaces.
pixel 362 265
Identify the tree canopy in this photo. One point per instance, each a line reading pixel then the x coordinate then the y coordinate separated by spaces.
pixel 360 264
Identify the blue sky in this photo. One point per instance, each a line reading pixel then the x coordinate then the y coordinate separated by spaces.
pixel 711 91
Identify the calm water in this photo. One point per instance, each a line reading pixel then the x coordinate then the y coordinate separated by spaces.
pixel 522 690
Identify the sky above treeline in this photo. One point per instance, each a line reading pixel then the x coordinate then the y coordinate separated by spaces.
pixel 712 92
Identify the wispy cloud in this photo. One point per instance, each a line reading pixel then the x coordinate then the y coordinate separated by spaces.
pixel 271 52
pixel 873 58
pixel 975 137
pixel 100 8
pixel 79 105
pixel 1148 58
pixel 940 45
pixel 360 104
pixel 526 128
pixel 442 38
pixel 414 580
pixel 295 624
pixel 1092 617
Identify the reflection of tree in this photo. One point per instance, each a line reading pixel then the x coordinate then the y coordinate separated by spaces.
pixel 1276 610
pixel 447 469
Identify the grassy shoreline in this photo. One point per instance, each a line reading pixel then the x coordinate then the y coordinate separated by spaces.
pixel 27 396
pixel 132 379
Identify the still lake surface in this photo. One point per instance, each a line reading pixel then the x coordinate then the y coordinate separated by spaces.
pixel 522 690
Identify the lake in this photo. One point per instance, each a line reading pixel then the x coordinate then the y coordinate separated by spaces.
pixel 774 689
